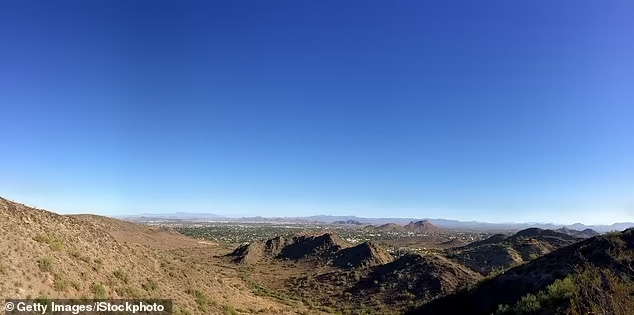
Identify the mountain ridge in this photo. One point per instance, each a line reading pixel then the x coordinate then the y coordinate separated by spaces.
pixel 334 219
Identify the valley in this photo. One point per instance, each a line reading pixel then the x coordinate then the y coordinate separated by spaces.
pixel 314 268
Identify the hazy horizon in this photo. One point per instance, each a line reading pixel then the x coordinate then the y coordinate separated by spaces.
pixel 505 112
pixel 223 214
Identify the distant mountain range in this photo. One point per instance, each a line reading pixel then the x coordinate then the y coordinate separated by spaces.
pixel 360 221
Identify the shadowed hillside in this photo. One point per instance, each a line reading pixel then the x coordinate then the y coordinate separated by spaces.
pixel 595 274
pixel 415 278
pixel 500 251
pixel 366 254
pixel 310 247
pixel 585 233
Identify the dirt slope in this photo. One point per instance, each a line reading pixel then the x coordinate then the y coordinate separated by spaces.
pixel 46 255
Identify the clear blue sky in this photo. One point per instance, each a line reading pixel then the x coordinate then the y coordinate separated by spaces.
pixel 471 110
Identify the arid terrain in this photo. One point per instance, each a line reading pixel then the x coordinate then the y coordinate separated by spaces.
pixel 343 268
pixel 46 255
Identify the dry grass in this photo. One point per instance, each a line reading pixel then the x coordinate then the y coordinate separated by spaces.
pixel 53 256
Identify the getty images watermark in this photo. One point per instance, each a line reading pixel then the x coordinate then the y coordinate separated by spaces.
pixel 52 306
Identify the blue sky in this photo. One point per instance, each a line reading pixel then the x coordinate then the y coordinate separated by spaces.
pixel 493 111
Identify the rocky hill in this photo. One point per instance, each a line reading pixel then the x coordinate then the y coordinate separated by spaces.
pixel 388 288
pixel 388 227
pixel 495 239
pixel 423 226
pixel 46 255
pixel 500 251
pixel 416 278
pixel 419 227
pixel 586 233
pixel 366 254
pixel 296 247
pixel 595 275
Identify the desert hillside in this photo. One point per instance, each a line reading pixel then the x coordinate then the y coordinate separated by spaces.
pixel 594 276
pixel 47 255
pixel 88 256
pixel 499 251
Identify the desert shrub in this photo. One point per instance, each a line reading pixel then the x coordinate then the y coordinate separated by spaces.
pixel 201 299
pixel 496 271
pixel 529 304
pixel 590 290
pixel 149 285
pixel 45 264
pixel 53 242
pixel 128 292
pixel 230 310
pixel 554 297
pixel 121 275
pixel 76 285
pixel 77 254
pixel 181 312
pixel 98 290
pixel 602 291
pixel 60 283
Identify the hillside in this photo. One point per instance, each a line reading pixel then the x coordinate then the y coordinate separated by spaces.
pixel 500 251
pixel 366 254
pixel 423 226
pixel 580 234
pixel 308 247
pixel 414 277
pixel 419 227
pixel 593 275
pixel 388 227
pixel 46 255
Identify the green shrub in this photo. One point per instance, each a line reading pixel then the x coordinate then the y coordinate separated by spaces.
pixel 53 242
pixel 590 290
pixel 229 310
pixel 77 254
pixel 121 275
pixel 76 285
pixel 529 304
pixel 149 285
pixel 602 291
pixel 98 290
pixel 201 299
pixel 128 292
pixel 45 264
pixel 60 283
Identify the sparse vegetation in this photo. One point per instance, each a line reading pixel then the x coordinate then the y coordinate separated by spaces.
pixel 45 264
pixel 230 310
pixel 593 290
pixel 149 285
pixel 98 290
pixel 315 278
pixel 121 275
pixel 60 283
pixel 204 303
pixel 53 242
